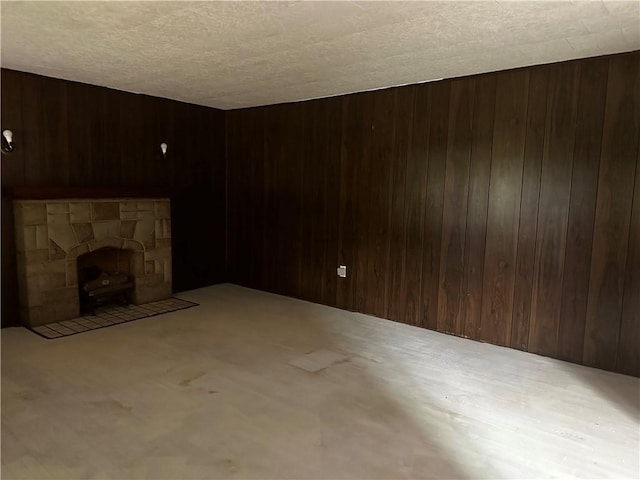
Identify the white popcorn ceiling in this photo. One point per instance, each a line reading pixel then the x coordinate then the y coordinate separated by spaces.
pixel 239 54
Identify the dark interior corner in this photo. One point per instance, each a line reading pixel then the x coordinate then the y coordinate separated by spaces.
pixel 77 140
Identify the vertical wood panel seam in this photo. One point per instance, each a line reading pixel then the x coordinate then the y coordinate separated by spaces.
pixel 444 187
pixel 522 192
pixel 405 216
pixel 624 277
pixel 575 139
pixel 486 213
pixel 595 210
pixel 566 231
pixel 461 296
pixel 486 230
pixel 442 259
pixel 547 127
pixel 394 164
pixel 465 294
pixel 419 300
pixel 525 116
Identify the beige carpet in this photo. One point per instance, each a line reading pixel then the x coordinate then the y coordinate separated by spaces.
pixel 211 392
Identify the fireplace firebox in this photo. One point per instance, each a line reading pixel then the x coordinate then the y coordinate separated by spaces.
pixel 104 276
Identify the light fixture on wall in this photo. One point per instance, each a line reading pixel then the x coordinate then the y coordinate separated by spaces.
pixel 163 149
pixel 7 145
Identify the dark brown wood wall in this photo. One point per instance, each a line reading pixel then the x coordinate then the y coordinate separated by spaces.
pixel 76 135
pixel 502 207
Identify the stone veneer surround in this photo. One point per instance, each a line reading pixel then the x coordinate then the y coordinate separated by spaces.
pixel 51 234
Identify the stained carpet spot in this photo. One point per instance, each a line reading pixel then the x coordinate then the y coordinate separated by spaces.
pixel 318 360
pixel 111 315
pixel 187 381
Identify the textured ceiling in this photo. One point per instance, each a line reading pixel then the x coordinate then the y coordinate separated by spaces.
pixel 238 54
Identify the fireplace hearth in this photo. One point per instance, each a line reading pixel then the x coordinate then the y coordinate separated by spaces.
pixel 57 240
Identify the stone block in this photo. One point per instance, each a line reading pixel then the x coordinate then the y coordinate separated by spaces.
pixel 36 257
pixel 109 242
pixel 42 236
pixel 163 209
pixel 84 232
pixel 31 297
pixel 137 263
pixel 55 311
pixel 113 242
pixel 146 207
pixel 163 228
pixel 132 216
pixel 78 250
pixel 132 245
pixel 72 273
pixel 41 278
pixel 163 242
pixel 105 211
pixel 52 280
pixel 144 232
pixel 63 235
pixel 158 267
pixel 30 213
pixel 149 216
pixel 158 254
pixel 23 299
pixel 167 270
pixel 29 283
pixel 128 206
pixel 31 237
pixel 37 268
pixel 151 288
pixel 108 229
pixel 127 228
pixel 57 208
pixel 58 219
pixel 25 238
pixel 55 252
pixel 61 295
pixel 148 268
pixel 80 212
pixel 24 314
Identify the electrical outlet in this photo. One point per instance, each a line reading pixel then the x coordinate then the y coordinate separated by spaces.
pixel 342 271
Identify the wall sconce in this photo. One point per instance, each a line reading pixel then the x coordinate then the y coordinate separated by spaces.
pixel 163 149
pixel 8 136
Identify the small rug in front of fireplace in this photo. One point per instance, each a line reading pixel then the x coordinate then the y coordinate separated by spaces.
pixel 111 315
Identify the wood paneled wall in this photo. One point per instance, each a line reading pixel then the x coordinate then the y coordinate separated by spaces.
pixel 502 207
pixel 76 135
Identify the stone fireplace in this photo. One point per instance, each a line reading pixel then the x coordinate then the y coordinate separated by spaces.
pixel 52 234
